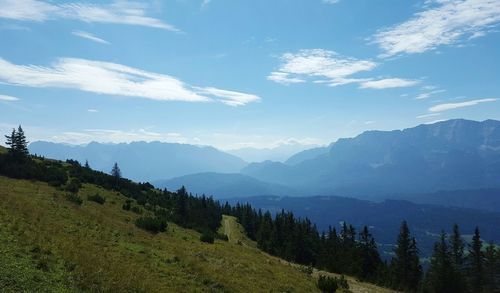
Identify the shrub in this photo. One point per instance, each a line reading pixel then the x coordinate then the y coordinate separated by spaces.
pixel 73 185
pixel 136 210
pixel 151 224
pixel 96 198
pixel 327 284
pixel 207 237
pixel 126 206
pixel 330 285
pixel 74 198
pixel 222 237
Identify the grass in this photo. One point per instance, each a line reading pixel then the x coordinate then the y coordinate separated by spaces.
pixel 236 234
pixel 3 150
pixel 50 244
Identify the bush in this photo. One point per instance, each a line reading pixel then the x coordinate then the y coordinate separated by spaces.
pixel 126 206
pixel 136 210
pixel 207 237
pixel 73 185
pixel 74 198
pixel 96 198
pixel 330 285
pixel 222 237
pixel 151 224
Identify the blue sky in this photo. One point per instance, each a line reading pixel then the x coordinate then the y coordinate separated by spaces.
pixel 244 73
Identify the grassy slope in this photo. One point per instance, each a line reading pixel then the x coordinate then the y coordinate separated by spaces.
pixel 50 244
pixel 236 234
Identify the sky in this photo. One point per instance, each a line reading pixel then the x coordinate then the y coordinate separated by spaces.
pixel 236 74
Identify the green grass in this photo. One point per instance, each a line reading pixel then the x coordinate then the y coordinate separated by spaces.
pixel 3 150
pixel 50 244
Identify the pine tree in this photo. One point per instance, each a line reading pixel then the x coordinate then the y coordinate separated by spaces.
pixel 20 143
pixel 116 172
pixel 443 276
pixel 10 142
pixel 491 269
pixel 457 248
pixel 406 268
pixel 87 166
pixel 475 262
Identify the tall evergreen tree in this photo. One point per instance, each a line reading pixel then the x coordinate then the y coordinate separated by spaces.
pixel 21 144
pixel 475 262
pixel 491 269
pixel 116 172
pixel 10 142
pixel 87 166
pixel 407 272
pixel 457 247
pixel 443 276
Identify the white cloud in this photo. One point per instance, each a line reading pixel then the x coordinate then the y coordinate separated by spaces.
pixel 89 36
pixel 451 106
pixel 8 98
pixel 445 22
pixel 114 79
pixel 428 115
pixel 92 110
pixel 119 12
pixel 427 95
pixel 230 98
pixel 388 83
pixel 112 136
pixel 331 1
pixel 318 63
pixel 283 78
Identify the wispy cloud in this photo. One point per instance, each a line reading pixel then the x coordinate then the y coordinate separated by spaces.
pixel 318 63
pixel 445 22
pixel 119 12
pixel 451 106
pixel 331 1
pixel 427 95
pixel 388 83
pixel 230 98
pixel 283 78
pixel 92 110
pixel 115 79
pixel 423 116
pixel 89 36
pixel 8 98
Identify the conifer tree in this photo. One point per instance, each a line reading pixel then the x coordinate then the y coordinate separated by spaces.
pixel 87 166
pixel 443 276
pixel 457 247
pixel 406 268
pixel 20 143
pixel 116 172
pixel 10 142
pixel 491 269
pixel 475 262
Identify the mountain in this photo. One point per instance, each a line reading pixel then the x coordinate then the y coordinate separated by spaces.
pixel 279 153
pixel 481 199
pixel 449 155
pixel 224 185
pixel 384 218
pixel 144 161
pixel 306 155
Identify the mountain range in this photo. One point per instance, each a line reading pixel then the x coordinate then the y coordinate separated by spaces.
pixel 450 162
pixel 144 161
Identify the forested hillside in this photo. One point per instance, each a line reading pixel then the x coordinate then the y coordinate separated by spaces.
pixel 73 228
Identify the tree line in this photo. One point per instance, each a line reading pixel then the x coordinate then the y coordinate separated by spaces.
pixel 454 266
